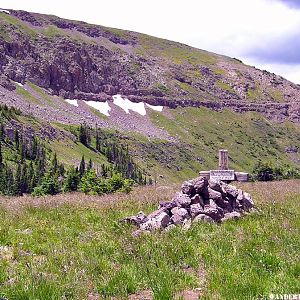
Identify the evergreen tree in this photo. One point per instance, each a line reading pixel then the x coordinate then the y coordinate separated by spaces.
pixel 16 139
pixel 1 157
pixel 54 165
pixel 17 182
pixel 72 180
pixel 82 167
pixel 24 179
pixel 9 182
pixel 31 180
pixel 84 136
pixel 21 150
pixel 2 132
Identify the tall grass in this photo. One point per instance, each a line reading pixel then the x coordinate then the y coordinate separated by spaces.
pixel 73 246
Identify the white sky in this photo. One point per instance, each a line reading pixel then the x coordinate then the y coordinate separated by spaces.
pixel 231 27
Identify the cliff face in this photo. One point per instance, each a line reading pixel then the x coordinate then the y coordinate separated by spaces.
pixel 76 60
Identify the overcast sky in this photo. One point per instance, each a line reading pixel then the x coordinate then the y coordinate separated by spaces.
pixel 264 33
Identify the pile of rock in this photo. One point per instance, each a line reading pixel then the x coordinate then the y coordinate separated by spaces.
pixel 199 200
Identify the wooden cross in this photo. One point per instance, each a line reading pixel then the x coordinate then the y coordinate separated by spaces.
pixel 223 173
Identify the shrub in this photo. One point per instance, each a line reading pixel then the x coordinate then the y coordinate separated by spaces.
pixel 266 171
pixel 48 186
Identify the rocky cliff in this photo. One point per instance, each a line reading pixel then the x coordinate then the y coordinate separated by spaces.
pixel 76 60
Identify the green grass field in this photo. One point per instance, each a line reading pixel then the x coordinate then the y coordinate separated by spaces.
pixel 73 246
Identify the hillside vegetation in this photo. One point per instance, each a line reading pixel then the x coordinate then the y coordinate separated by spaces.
pixel 74 247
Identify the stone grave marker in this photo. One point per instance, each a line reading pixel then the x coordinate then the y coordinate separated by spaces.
pixel 223 173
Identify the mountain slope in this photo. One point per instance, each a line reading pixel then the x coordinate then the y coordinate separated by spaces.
pixel 173 105
pixel 82 61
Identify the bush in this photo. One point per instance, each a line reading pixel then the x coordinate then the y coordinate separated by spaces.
pixel 266 171
pixel 90 183
pixel 48 186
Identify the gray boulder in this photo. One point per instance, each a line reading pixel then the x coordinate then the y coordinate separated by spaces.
pixel 196 209
pixel 136 220
pixel 163 220
pixel 182 199
pixel 168 205
pixel 230 190
pixel 180 211
pixel 150 225
pixel 247 202
pixel 160 221
pixel 215 185
pixel 177 219
pixel 231 216
pixel 200 183
pixel 179 214
pixel 157 212
pixel 188 188
pixel 213 211
pixel 212 194
pixel 187 223
pixel 203 218
pixel 224 204
pixel 197 199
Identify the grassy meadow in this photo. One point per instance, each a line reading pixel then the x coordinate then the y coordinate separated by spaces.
pixel 73 246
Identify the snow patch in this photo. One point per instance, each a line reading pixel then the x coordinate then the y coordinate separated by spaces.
pixel 19 84
pixel 127 105
pixel 73 102
pixel 103 107
pixel 5 11
pixel 155 107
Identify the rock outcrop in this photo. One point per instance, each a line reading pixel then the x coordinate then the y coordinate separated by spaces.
pixel 76 60
pixel 200 200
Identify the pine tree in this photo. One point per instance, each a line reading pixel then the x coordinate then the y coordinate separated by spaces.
pixel 9 182
pixel 34 149
pixel 82 167
pixel 31 184
pixel 16 139
pixel 54 165
pixel 2 132
pixel 1 157
pixel 21 150
pixel 72 180
pixel 24 179
pixel 17 182
pixel 83 138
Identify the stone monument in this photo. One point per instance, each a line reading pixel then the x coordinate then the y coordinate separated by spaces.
pixel 223 173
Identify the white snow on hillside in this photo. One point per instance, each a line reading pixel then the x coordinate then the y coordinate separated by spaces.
pixel 103 107
pixel 19 84
pixel 73 102
pixel 5 11
pixel 155 107
pixel 127 105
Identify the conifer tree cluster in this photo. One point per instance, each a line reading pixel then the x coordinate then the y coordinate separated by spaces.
pixel 117 155
pixel 24 164
pixel 28 166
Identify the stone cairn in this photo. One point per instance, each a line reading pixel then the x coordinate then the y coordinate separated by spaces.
pixel 200 200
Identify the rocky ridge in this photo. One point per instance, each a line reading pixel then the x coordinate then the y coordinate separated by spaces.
pixel 76 60
pixel 200 200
